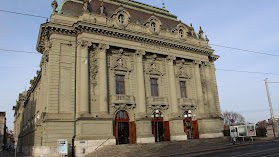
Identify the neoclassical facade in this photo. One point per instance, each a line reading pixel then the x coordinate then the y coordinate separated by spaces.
pixel 121 71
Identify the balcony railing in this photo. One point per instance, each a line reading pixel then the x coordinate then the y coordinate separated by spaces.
pixel 186 103
pixel 122 99
pixel 157 102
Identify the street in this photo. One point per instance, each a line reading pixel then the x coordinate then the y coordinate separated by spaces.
pixel 270 149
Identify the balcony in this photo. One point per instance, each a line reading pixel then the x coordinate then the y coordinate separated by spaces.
pixel 122 99
pixel 157 102
pixel 186 103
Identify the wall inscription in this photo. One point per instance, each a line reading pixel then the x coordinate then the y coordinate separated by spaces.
pixel 155 47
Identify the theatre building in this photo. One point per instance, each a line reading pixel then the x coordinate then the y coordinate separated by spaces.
pixel 121 71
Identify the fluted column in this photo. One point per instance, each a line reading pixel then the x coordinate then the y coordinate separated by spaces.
pixel 172 85
pixel 200 102
pixel 103 95
pixel 84 78
pixel 210 91
pixel 141 103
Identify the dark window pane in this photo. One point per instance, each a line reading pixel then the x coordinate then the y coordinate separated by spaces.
pixel 156 91
pixel 152 90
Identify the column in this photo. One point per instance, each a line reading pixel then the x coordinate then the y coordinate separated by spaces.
pixel 141 103
pixel 209 89
pixel 84 77
pixel 103 95
pixel 200 102
pixel 172 85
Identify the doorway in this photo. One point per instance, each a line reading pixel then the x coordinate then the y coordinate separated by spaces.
pixel 124 129
pixel 160 128
pixel 190 126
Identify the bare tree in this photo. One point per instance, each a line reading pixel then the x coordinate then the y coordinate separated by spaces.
pixel 237 117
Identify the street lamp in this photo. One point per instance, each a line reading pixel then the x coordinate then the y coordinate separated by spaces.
pixel 157 116
pixel 188 114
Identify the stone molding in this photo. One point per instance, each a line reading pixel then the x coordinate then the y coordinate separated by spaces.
pixel 47 29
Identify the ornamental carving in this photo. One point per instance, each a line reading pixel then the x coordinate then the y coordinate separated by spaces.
pixel 153 65
pixel 183 69
pixel 93 67
pixel 123 106
pixel 120 60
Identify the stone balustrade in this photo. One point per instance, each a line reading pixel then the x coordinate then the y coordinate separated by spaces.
pixel 122 99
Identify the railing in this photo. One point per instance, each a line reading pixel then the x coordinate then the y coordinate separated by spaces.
pixel 157 100
pixel 121 98
pixel 185 101
pixel 100 146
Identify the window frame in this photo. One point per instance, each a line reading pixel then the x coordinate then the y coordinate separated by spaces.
pixel 122 19
pixel 154 85
pixel 183 89
pixel 181 33
pixel 120 82
pixel 153 26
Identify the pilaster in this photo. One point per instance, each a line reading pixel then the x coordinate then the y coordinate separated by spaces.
pixel 103 91
pixel 172 85
pixel 200 103
pixel 84 77
pixel 210 91
pixel 140 101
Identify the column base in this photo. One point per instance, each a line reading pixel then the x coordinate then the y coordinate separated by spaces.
pixel 146 140
pixel 179 138
pixel 212 135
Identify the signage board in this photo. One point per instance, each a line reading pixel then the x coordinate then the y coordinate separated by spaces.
pixel 63 147
pixel 243 130
pixel 251 130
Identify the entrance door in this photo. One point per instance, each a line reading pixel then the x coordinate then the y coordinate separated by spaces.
pixel 191 128
pixel 123 133
pixel 160 129
pixel 124 129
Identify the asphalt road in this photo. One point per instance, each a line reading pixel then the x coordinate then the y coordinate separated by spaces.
pixel 270 149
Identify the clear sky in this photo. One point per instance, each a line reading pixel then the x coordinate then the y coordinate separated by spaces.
pixel 249 24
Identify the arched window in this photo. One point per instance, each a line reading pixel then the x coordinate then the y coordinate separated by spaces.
pixel 153 26
pixel 181 33
pixel 121 18
pixel 122 115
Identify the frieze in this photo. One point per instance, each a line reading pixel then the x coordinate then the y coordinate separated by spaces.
pixel 155 47
pixel 47 30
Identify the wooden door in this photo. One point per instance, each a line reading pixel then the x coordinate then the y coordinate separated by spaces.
pixel 132 132
pixel 195 129
pixel 166 131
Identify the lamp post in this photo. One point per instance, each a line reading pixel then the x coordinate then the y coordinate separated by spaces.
pixel 190 116
pixel 157 116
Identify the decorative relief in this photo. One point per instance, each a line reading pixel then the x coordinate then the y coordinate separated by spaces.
pixel 153 65
pixel 93 67
pixel 160 103
pixel 121 60
pixel 184 69
pixel 203 83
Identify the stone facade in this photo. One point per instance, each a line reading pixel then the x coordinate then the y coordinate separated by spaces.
pixel 87 46
pixel 2 130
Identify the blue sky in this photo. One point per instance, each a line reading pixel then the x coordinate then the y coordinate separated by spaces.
pixel 249 24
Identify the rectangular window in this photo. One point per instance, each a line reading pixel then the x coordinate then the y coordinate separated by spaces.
pixel 120 84
pixel 183 89
pixel 154 87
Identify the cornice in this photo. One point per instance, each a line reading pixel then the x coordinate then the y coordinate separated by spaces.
pixel 83 27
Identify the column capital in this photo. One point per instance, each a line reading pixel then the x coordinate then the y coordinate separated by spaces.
pixel 140 52
pixel 83 43
pixel 197 62
pixel 171 58
pixel 103 47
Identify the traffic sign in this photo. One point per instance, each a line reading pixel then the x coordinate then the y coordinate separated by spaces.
pixel 232 121
pixel 16 138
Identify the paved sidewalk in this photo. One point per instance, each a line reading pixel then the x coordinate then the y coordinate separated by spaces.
pixel 12 154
